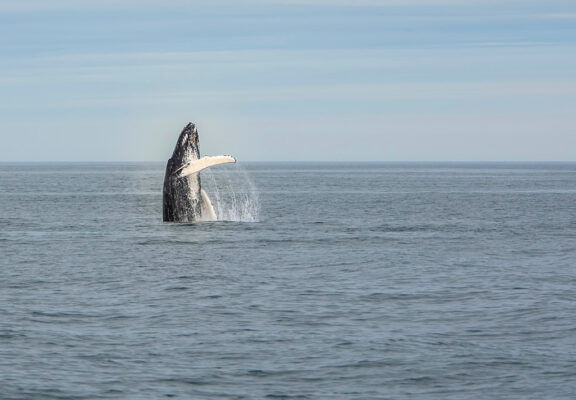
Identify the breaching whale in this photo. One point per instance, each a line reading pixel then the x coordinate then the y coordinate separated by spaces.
pixel 183 197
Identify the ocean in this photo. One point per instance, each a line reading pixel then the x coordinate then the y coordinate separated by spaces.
pixel 352 281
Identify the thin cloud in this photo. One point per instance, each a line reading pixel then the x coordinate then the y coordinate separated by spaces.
pixel 43 5
pixel 559 16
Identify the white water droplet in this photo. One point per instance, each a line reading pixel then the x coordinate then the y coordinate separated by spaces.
pixel 232 192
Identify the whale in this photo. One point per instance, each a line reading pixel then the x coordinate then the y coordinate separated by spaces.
pixel 183 199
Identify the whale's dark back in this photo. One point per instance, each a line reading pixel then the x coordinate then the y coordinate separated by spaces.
pixel 181 199
pixel 181 196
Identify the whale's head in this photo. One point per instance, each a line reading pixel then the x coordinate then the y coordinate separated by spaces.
pixel 187 148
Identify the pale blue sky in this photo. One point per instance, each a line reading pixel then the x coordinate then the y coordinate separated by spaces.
pixel 367 80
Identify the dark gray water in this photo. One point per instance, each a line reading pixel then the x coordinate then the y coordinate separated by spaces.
pixel 360 281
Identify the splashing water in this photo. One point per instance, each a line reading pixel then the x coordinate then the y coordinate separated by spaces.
pixel 233 194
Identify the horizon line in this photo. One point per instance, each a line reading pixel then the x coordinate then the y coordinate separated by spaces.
pixel 297 161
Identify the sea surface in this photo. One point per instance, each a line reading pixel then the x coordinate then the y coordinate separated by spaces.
pixel 350 281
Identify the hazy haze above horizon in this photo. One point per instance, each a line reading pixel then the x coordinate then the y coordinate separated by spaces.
pixel 341 80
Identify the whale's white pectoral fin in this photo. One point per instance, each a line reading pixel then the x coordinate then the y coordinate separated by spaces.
pixel 208 213
pixel 204 162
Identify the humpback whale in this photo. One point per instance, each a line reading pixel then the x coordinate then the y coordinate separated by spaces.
pixel 184 200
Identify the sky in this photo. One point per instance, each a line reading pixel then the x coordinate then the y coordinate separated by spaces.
pixel 289 80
